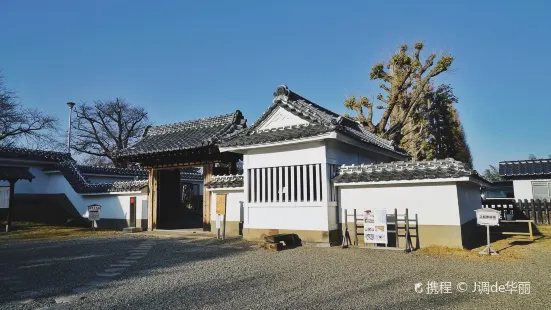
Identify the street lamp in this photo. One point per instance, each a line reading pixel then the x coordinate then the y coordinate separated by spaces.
pixel 71 105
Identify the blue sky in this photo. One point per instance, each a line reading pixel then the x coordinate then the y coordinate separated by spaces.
pixel 183 60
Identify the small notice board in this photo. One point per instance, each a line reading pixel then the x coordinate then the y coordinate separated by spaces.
pixel 486 216
pixel 220 204
pixel 4 197
pixel 375 229
pixel 93 212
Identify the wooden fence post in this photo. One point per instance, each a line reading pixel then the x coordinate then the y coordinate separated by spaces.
pixel 547 212
pixel 396 226
pixel 534 208
pixel 355 229
pixel 527 209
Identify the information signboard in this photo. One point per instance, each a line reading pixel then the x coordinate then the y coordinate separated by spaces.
pixel 94 212
pixel 4 197
pixel 487 216
pixel 375 229
pixel 220 204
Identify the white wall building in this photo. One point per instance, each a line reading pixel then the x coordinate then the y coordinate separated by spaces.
pixel 59 183
pixel 442 194
pixel 289 156
pixel 531 178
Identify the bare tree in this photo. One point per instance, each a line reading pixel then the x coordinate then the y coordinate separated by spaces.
pixel 23 126
pixel 96 161
pixel 105 127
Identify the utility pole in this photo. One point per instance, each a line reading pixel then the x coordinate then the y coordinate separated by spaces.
pixel 71 105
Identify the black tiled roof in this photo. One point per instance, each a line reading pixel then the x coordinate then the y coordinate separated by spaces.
pixel 277 135
pixel 30 154
pixel 525 168
pixel 81 185
pixel 112 171
pixel 400 170
pixel 225 181
pixel 321 120
pixel 186 135
pixel 15 173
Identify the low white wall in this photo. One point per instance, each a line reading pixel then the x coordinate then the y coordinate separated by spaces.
pixel 434 203
pixel 468 195
pixel 116 206
pixel 235 201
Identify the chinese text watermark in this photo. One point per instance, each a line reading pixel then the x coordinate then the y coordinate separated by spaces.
pixel 445 287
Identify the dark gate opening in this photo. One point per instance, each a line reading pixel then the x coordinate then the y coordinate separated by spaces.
pixel 179 203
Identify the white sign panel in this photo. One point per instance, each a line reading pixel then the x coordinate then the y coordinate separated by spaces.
pixel 375 229
pixel 487 216
pixel 93 212
pixel 4 197
pixel 93 215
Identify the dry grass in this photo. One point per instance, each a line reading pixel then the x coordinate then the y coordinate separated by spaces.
pixel 512 248
pixel 40 232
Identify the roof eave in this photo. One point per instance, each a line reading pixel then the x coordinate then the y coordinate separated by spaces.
pixel 420 181
pixel 243 149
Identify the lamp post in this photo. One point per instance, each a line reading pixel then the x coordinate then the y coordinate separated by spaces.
pixel 71 105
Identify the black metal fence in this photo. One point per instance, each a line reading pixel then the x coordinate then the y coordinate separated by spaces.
pixel 537 210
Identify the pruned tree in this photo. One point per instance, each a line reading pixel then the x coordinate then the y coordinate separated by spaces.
pixel 492 174
pixel 18 125
pixel 105 127
pixel 406 82
pixel 532 156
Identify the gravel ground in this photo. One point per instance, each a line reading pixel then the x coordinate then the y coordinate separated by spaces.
pixel 209 274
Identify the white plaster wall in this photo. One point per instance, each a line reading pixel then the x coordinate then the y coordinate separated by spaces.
pixel 115 206
pixel 235 202
pixel 434 203
pixel 297 216
pixel 468 195
pixel 288 217
pixel 287 155
pixel 523 188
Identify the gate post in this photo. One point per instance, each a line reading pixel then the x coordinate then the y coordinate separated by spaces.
pixel 207 177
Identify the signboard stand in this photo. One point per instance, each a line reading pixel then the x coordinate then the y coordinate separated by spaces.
pixel 93 215
pixel 488 249
pixel 487 217
pixel 221 215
